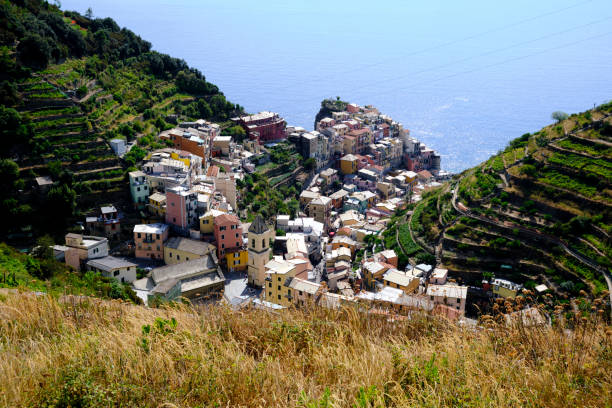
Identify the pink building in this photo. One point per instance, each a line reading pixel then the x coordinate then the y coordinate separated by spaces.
pixel 228 233
pixel 352 108
pixel 263 126
pixel 149 240
pixel 181 208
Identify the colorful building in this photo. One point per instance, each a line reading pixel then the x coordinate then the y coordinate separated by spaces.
pixel 236 259
pixel 157 204
pixel 207 221
pixel 277 272
pixel 228 234
pixel 187 140
pixel 180 249
pixel 149 240
pixel 263 126
pixel 348 164
pixel 181 208
pixel 139 188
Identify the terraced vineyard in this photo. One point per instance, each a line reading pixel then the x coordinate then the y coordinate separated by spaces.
pixel 538 212
pixel 63 133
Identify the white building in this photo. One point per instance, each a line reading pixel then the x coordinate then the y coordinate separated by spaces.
pixel 119 146
pixel 112 267
pixel 453 296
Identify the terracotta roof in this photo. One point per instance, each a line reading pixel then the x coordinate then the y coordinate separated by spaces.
pixel 226 219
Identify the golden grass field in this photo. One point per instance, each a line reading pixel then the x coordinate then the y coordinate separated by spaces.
pixel 93 353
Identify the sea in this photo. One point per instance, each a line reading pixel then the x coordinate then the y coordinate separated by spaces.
pixel 465 77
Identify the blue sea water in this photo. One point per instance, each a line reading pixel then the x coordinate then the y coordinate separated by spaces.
pixel 464 76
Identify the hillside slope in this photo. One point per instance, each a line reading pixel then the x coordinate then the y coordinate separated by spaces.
pixel 89 353
pixel 538 212
pixel 69 84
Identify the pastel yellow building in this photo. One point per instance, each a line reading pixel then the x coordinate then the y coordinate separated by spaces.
pixel 178 250
pixel 157 204
pixel 185 160
pixel 348 164
pixel 236 259
pixel 277 272
pixel 207 221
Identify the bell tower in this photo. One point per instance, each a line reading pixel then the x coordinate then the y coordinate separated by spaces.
pixel 259 251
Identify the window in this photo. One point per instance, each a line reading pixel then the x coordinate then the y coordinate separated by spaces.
pixel 236 254
pixel 458 301
pixel 269 284
pixel 137 188
pixel 169 254
pixel 222 236
pixel 279 287
pixel 270 294
pixel 172 204
pixel 263 243
pixel 139 235
pixel 222 245
pixel 300 292
pixel 279 278
pixel 289 292
pixel 279 297
pixel 236 235
pixel 205 222
pixel 187 258
pixel 178 257
pixel 158 248
pixel 431 297
pixel 237 244
pixel 115 273
pixel 253 243
pixel 173 219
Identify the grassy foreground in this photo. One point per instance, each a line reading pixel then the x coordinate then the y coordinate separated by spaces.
pixel 94 353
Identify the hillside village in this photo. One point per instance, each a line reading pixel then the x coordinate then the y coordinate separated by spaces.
pixel 193 240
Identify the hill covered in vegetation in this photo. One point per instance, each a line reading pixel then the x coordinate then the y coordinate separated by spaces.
pixel 540 211
pixel 68 84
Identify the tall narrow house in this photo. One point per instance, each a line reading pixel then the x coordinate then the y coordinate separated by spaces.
pixel 259 251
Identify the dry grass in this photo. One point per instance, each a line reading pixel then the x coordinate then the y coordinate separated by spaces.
pixel 96 353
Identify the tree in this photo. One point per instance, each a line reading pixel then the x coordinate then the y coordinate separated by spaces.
pixel 43 248
pixel 34 51
pixel 559 116
pixel 309 164
pixel 237 133
pixel 61 202
pixel 89 13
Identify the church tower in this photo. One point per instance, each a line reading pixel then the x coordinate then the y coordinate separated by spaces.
pixel 259 251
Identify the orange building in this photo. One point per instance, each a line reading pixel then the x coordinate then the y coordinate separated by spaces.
pixel 188 141
pixel 149 240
